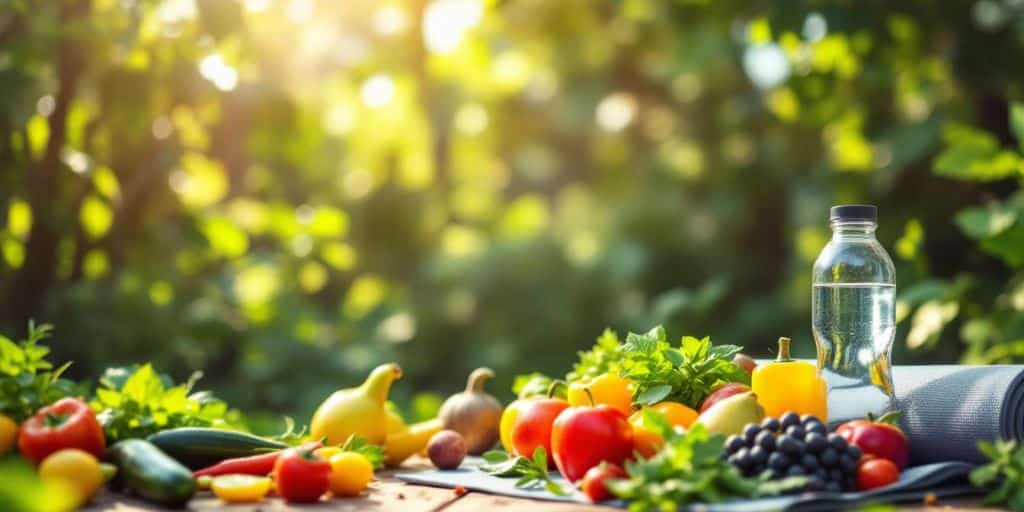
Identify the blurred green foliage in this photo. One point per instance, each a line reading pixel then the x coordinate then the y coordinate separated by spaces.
pixel 285 193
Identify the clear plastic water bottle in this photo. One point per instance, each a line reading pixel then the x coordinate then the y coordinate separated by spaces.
pixel 854 315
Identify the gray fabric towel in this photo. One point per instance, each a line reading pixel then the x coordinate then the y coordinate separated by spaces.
pixel 947 409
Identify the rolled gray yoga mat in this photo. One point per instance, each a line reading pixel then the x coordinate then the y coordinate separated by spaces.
pixel 947 409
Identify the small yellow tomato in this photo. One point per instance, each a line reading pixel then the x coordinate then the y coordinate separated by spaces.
pixel 240 488
pixel 327 452
pixel 350 473
pixel 76 469
pixel 8 434
pixel 609 389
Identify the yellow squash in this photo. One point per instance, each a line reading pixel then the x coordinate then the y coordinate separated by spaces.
pixel 360 411
pixel 789 385
pixel 402 445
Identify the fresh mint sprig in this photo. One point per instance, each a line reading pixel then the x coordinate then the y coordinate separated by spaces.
pixel 659 371
pixel 1004 475
pixel 532 472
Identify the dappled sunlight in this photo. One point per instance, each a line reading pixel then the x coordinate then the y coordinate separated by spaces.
pixel 251 186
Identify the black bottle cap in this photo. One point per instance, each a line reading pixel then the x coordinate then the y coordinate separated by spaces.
pixel 853 212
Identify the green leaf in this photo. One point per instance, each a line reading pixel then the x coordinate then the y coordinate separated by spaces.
pixel 988 221
pixel 143 385
pixel 656 422
pixel 974 155
pixel 372 452
pixel 540 457
pixel 531 385
pixel 653 395
pixel 507 468
pixel 495 456
pixel 1017 122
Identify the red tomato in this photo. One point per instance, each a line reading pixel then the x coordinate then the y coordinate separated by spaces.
pixel 68 423
pixel 583 437
pixel 300 476
pixel 532 427
pixel 593 482
pixel 879 438
pixel 876 473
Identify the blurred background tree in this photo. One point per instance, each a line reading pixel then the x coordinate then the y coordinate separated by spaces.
pixel 285 193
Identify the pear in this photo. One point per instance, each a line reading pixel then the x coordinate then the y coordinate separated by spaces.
pixel 730 415
pixel 360 411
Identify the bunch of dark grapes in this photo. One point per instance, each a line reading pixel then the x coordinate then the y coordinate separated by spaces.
pixel 793 445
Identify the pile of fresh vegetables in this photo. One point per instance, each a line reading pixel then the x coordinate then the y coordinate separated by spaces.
pixel 644 420
pixel 664 425
pixel 140 433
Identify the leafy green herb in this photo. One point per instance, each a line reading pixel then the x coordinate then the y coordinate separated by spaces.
pixel 138 403
pixel 686 374
pixel 532 472
pixel 535 384
pixel 690 469
pixel 1004 475
pixel 372 452
pixel 27 380
pixel 290 436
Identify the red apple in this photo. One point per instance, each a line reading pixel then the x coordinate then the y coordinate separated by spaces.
pixel 746 362
pixel 722 392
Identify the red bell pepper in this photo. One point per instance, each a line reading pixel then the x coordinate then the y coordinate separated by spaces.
pixel 260 465
pixel 301 476
pixel 67 423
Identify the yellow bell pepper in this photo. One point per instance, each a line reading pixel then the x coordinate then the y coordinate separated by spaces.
pixel 608 389
pixel 790 385
pixel 508 418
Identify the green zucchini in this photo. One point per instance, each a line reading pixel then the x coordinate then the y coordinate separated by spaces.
pixel 201 447
pixel 150 473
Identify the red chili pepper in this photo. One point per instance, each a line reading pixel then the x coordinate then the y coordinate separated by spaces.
pixel 68 423
pixel 260 465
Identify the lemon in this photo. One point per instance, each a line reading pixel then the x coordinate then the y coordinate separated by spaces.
pixel 240 488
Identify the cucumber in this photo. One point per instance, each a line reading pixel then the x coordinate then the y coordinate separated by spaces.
pixel 198 448
pixel 150 473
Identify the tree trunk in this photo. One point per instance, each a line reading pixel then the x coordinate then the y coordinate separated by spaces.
pixel 37 275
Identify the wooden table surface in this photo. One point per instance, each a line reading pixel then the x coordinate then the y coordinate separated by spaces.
pixel 390 494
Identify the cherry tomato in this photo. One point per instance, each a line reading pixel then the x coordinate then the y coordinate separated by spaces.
pixel 583 437
pixel 876 473
pixel 880 437
pixel 593 482
pixel 532 427
pixel 300 476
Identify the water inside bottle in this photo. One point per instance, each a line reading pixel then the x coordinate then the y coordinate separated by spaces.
pixel 854 325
